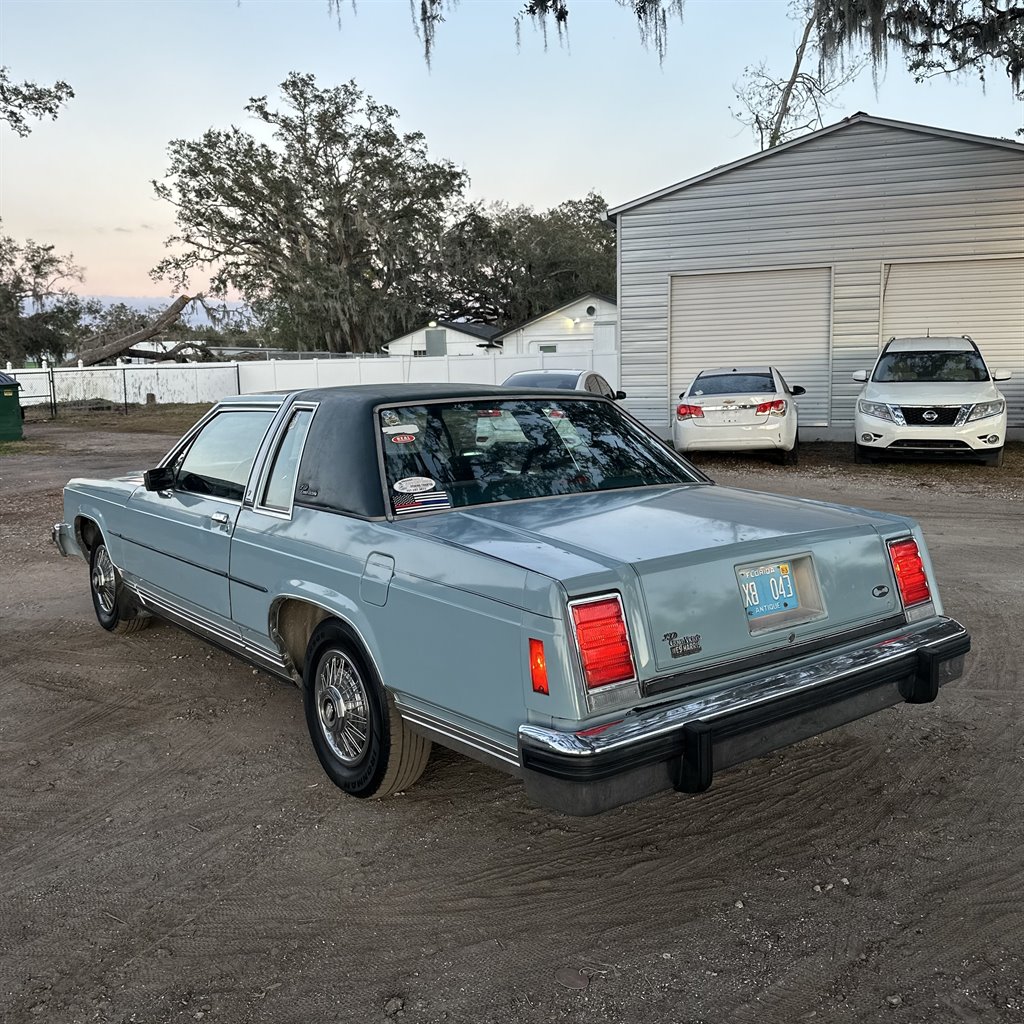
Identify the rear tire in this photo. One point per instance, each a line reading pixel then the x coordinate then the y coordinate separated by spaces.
pixel 792 457
pixel 361 741
pixel 115 610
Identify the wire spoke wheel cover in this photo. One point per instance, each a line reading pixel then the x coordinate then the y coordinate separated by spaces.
pixel 359 737
pixel 343 707
pixel 103 580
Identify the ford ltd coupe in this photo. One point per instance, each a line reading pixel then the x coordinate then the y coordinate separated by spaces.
pixel 529 577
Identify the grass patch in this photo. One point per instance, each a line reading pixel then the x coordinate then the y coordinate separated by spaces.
pixel 27 447
pixel 141 419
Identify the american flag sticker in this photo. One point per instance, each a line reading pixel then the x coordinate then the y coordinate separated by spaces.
pixel 423 502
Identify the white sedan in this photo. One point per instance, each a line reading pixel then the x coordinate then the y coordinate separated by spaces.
pixel 738 408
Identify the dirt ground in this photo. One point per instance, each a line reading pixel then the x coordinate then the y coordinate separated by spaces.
pixel 171 851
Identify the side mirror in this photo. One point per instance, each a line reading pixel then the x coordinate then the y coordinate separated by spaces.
pixel 619 395
pixel 860 375
pixel 158 479
pixel 797 390
pixel 1001 374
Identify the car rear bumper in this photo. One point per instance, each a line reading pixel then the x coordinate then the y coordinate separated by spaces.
pixel 680 745
pixel 770 434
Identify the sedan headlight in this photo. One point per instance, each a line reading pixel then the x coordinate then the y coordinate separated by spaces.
pixel 882 412
pixel 985 409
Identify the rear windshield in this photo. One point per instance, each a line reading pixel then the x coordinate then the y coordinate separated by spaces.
pixel 930 367
pixel 543 380
pixel 458 454
pixel 733 384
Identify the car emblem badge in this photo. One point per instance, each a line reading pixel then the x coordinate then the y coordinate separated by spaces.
pixel 880 591
pixel 930 416
pixel 680 646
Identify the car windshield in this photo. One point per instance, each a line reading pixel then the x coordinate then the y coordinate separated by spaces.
pixel 733 384
pixel 930 367
pixel 456 454
pixel 526 379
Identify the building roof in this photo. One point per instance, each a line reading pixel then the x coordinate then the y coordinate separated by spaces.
pixel 550 312
pixel 482 332
pixel 849 122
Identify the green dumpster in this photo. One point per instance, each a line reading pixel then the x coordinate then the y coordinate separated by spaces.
pixel 10 409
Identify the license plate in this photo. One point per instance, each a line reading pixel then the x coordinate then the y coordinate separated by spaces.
pixel 768 589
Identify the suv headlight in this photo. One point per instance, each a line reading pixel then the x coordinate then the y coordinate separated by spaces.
pixel 984 409
pixel 883 412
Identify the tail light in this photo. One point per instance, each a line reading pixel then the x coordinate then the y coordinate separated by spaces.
pixel 776 408
pixel 911 578
pixel 603 641
pixel 538 666
pixel 686 412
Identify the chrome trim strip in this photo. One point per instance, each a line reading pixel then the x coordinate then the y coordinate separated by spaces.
pixel 644 724
pixel 236 643
pixel 457 737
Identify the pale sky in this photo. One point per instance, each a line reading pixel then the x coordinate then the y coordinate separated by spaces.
pixel 529 126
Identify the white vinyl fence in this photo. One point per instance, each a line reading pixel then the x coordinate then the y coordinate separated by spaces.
pixel 209 382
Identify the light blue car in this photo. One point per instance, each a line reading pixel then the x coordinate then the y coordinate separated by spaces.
pixel 569 601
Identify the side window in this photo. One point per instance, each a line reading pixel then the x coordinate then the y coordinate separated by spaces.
pixel 605 388
pixel 280 489
pixel 218 461
pixel 593 385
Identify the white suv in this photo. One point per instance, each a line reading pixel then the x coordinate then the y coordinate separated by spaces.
pixel 930 397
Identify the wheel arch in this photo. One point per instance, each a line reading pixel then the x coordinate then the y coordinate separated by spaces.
pixel 292 621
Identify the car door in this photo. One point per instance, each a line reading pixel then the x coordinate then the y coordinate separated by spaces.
pixel 177 540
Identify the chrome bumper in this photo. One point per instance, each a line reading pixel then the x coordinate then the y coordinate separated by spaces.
pixel 63 536
pixel 681 744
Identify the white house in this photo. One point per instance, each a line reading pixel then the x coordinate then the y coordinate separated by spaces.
pixel 443 338
pixel 587 324
pixel 810 255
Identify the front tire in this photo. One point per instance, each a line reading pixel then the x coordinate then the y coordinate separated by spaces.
pixel 115 611
pixel 993 459
pixel 361 741
pixel 862 455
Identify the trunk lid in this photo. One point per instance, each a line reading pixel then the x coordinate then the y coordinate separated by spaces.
pixel 694 553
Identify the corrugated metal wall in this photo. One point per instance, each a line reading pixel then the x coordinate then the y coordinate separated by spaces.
pixel 956 298
pixel 777 317
pixel 855 198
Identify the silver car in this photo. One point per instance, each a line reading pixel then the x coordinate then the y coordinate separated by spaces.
pixel 576 605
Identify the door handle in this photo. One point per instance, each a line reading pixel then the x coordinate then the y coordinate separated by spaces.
pixel 220 517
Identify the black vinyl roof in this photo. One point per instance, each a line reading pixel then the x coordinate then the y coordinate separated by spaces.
pixel 339 471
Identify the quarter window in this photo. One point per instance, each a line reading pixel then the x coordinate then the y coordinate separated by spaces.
pixel 218 461
pixel 280 489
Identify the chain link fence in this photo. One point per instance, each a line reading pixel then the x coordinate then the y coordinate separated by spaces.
pixel 47 392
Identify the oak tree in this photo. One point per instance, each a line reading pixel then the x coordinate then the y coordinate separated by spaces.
pixel 328 222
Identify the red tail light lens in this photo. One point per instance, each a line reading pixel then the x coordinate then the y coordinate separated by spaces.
pixel 910 575
pixel 778 407
pixel 538 666
pixel 603 641
pixel 685 412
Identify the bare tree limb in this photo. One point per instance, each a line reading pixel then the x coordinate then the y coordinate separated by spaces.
pixel 115 348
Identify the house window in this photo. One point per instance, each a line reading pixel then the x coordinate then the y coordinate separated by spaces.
pixel 547 348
